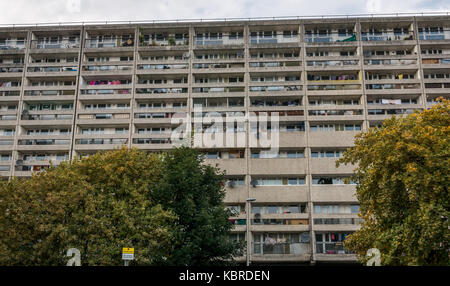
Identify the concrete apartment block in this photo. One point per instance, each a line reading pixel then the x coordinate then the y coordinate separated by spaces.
pixel 71 90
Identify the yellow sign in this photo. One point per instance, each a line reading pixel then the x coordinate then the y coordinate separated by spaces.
pixel 128 250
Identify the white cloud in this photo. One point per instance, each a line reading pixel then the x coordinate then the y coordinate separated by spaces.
pixel 32 11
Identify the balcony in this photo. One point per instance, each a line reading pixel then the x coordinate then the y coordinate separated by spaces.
pixel 44 71
pixel 278 38
pixel 163 68
pixel 266 66
pixel 394 64
pixel 104 118
pixel 6 144
pixel 333 251
pixel 58 43
pixel 107 69
pixel 391 88
pixel 274 89
pixel 437 62
pixel 209 40
pixel 433 34
pixel 328 37
pixel 387 37
pixel 12 45
pixel 33 94
pixel 14 70
pixel 336 114
pixel 333 65
pixel 100 143
pixel 214 67
pixel 8 120
pixel 166 40
pixel 104 42
pixel 231 166
pixel 39 119
pixel 43 145
pixel 152 143
pixel 101 94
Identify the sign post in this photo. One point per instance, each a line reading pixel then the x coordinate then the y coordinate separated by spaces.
pixel 127 255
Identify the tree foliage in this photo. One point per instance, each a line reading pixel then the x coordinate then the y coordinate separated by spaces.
pixel 98 205
pixel 194 192
pixel 168 207
pixel 403 179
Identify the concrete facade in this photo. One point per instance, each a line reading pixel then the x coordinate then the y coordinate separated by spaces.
pixel 68 91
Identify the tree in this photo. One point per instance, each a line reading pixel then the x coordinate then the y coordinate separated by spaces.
pixel 403 178
pixel 98 204
pixel 194 192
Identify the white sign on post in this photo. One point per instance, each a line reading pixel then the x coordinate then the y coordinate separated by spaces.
pixel 127 256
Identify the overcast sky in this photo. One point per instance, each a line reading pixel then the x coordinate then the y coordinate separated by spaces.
pixel 41 11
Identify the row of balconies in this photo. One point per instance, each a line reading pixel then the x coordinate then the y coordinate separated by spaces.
pixel 314 35
pixel 183 68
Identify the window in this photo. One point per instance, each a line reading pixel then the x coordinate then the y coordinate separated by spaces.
pixel 279 181
pixel 331 243
pixel 326 180
pixel 326 154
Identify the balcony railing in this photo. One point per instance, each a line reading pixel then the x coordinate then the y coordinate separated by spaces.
pixel 334 112
pixel 44 142
pixel 105 91
pixel 49 92
pixel 163 67
pixel 392 86
pixel 59 44
pixel 161 90
pixel 386 36
pixel 161 40
pixel 331 248
pixel 46 116
pixel 52 69
pixel 218 65
pixel 332 63
pixel 109 43
pixel 390 62
pixel 390 111
pixel 273 38
pixel 434 34
pixel 152 141
pixel 12 44
pixel 11 69
pixel 101 141
pixel 108 68
pixel 297 248
pixel 10 93
pixel 334 87
pixel 103 116
pixel 224 40
pixel 436 61
pixel 274 64
pixel 274 88
pixel 8 117
pixel 329 38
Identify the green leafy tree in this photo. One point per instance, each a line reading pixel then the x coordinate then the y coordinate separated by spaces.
pixel 195 191
pixel 98 204
pixel 403 179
